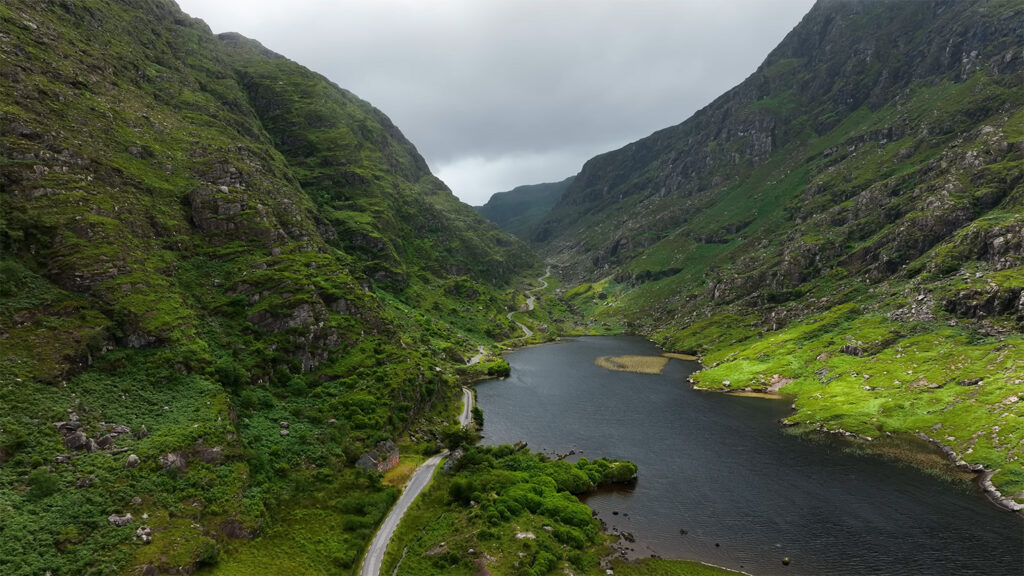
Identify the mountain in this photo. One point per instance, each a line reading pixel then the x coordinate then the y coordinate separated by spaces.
pixel 846 224
pixel 222 279
pixel 519 210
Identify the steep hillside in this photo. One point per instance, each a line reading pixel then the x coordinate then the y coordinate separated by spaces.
pixel 222 279
pixel 846 224
pixel 518 211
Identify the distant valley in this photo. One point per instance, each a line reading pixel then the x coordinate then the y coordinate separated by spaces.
pixel 237 310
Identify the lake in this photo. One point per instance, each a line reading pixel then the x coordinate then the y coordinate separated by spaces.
pixel 746 492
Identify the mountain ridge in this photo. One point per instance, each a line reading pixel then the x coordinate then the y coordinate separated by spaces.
pixel 222 279
pixel 851 205
pixel 518 211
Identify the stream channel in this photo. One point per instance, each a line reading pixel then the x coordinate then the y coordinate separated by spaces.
pixel 746 492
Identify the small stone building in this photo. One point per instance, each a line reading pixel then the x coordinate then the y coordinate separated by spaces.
pixel 382 458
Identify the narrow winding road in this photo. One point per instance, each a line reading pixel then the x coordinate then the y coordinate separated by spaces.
pixel 529 303
pixel 476 359
pixel 374 557
pixel 419 480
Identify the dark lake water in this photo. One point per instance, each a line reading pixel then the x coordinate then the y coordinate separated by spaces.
pixel 721 468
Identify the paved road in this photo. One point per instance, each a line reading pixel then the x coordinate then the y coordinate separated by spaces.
pixel 529 303
pixel 476 359
pixel 526 331
pixel 467 407
pixel 419 480
pixel 543 285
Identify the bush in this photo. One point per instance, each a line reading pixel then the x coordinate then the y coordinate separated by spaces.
pixel 619 472
pixel 42 484
pixel 461 490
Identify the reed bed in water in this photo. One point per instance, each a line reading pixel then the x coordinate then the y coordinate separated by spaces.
pixel 639 364
pixel 679 356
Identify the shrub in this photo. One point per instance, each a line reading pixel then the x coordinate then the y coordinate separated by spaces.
pixel 42 484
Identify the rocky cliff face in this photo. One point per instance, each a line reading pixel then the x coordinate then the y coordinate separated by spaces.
pixel 863 187
pixel 844 62
pixel 201 238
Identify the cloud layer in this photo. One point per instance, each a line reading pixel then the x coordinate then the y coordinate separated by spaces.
pixel 500 93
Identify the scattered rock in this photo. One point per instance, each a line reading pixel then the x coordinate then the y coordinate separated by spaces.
pixel 233 528
pixel 63 459
pixel 211 455
pixel 785 561
pixel 136 501
pixel 142 433
pixel 66 428
pixel 852 350
pixel 85 482
pixel 284 432
pixel 175 460
pixel 76 440
pixel 284 424
pixel 525 535
pixel 132 461
pixel 145 534
pixel 971 382
pixel 453 460
pixel 116 520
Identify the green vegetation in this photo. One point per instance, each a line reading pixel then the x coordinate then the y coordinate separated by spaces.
pixel 506 511
pixel 519 211
pixel 217 261
pixel 220 263
pixel 845 229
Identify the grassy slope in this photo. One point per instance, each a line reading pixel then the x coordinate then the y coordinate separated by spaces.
pixel 173 259
pixel 519 211
pixel 916 351
pixel 468 521
pixel 890 227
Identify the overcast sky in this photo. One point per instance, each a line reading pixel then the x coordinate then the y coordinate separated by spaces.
pixel 499 93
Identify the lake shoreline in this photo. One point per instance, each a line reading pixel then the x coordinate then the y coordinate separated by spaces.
pixel 658 543
pixel 982 476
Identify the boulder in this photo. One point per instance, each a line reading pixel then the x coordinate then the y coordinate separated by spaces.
pixel 852 350
pixel 211 455
pixel 233 528
pixel 116 520
pixel 175 460
pixel 76 440
pixel 66 428
pixel 132 461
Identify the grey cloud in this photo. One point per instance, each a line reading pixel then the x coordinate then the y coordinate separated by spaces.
pixel 477 85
